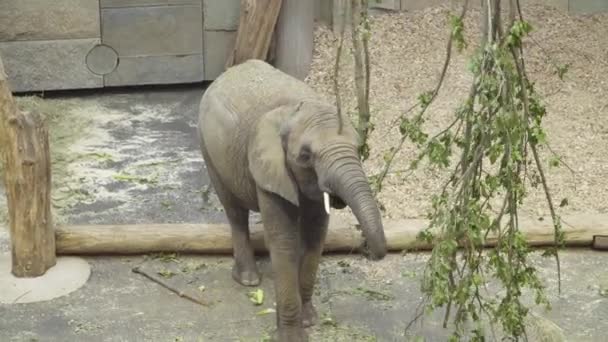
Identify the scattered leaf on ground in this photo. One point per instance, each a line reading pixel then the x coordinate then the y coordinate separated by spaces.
pixel 166 273
pixel 266 311
pixel 257 296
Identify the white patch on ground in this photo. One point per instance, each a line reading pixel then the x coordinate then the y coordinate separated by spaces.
pixel 88 174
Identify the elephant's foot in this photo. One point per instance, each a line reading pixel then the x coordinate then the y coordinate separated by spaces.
pixel 246 275
pixel 290 334
pixel 309 315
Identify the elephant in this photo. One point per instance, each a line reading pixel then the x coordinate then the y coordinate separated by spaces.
pixel 272 145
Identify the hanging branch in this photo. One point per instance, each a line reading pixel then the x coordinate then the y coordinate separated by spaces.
pixel 406 128
pixel 337 73
pixel 360 36
pixel 499 121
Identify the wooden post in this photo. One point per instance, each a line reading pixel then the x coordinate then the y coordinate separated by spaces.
pixel 257 22
pixel 24 151
pixel 295 37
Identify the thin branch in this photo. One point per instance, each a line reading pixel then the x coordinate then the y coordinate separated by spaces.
pixel 169 287
pixel 526 105
pixel 360 81
pixel 444 70
pixel 337 74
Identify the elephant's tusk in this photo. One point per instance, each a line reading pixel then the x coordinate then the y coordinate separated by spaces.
pixel 326 201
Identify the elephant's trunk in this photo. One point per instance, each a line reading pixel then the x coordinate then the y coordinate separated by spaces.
pixel 341 172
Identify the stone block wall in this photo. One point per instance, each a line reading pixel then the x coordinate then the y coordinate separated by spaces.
pixel 44 47
pixel 71 44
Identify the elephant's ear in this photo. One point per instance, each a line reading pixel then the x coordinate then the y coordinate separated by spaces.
pixel 267 157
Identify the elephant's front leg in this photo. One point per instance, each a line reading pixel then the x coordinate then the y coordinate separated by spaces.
pixel 313 229
pixel 282 237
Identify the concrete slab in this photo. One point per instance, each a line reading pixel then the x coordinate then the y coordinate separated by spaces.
pixel 133 3
pixel 357 300
pixel 153 30
pixel 67 276
pixel 63 67
pixel 221 15
pixel 41 20
pixel 218 45
pixel 157 70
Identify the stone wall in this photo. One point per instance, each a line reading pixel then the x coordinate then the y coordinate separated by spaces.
pixel 70 44
pixel 45 47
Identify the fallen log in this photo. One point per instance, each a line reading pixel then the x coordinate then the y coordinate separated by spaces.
pixel 342 236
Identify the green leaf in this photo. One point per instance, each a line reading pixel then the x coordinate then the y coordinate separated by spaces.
pixel 554 162
pixel 562 70
pixel 425 98
pixel 166 273
pixel 266 311
pixel 257 296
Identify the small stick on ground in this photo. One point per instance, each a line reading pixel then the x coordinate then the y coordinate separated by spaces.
pixel 169 287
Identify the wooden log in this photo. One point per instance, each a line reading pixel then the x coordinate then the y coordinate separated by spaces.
pixel 294 34
pixel 24 150
pixel 342 236
pixel 257 22
pixel 600 242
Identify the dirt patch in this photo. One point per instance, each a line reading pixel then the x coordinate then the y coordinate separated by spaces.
pixel 109 150
pixel 407 52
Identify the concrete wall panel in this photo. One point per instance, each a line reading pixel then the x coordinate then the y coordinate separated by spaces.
pixel 49 65
pixel 48 20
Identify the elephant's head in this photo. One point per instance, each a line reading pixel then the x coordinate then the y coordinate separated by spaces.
pixel 304 150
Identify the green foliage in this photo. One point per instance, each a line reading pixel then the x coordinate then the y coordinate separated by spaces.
pixel 458 31
pixel 494 131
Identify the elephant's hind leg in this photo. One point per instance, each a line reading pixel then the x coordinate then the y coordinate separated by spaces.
pixel 244 271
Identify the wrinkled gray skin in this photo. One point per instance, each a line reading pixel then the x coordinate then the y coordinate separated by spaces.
pixel 272 145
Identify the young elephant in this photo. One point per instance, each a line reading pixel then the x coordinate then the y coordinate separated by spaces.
pixel 274 146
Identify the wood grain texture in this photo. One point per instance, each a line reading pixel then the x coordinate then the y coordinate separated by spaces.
pixel 257 22
pixel 342 236
pixel 24 151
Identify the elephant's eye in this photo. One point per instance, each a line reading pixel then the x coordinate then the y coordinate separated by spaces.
pixel 305 155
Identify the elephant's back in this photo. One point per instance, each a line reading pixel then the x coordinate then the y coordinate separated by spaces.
pixel 255 87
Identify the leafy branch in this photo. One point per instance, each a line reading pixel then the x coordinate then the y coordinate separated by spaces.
pixel 410 128
pixel 495 129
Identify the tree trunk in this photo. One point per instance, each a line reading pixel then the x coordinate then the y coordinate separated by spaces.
pixel 295 37
pixel 256 26
pixel 24 151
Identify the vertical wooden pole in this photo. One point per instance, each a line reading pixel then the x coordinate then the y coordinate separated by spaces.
pixel 257 22
pixel 24 151
pixel 295 37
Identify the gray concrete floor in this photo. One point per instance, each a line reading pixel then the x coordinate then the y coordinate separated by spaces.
pixel 358 300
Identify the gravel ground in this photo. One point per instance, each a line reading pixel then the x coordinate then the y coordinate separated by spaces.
pixel 407 52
